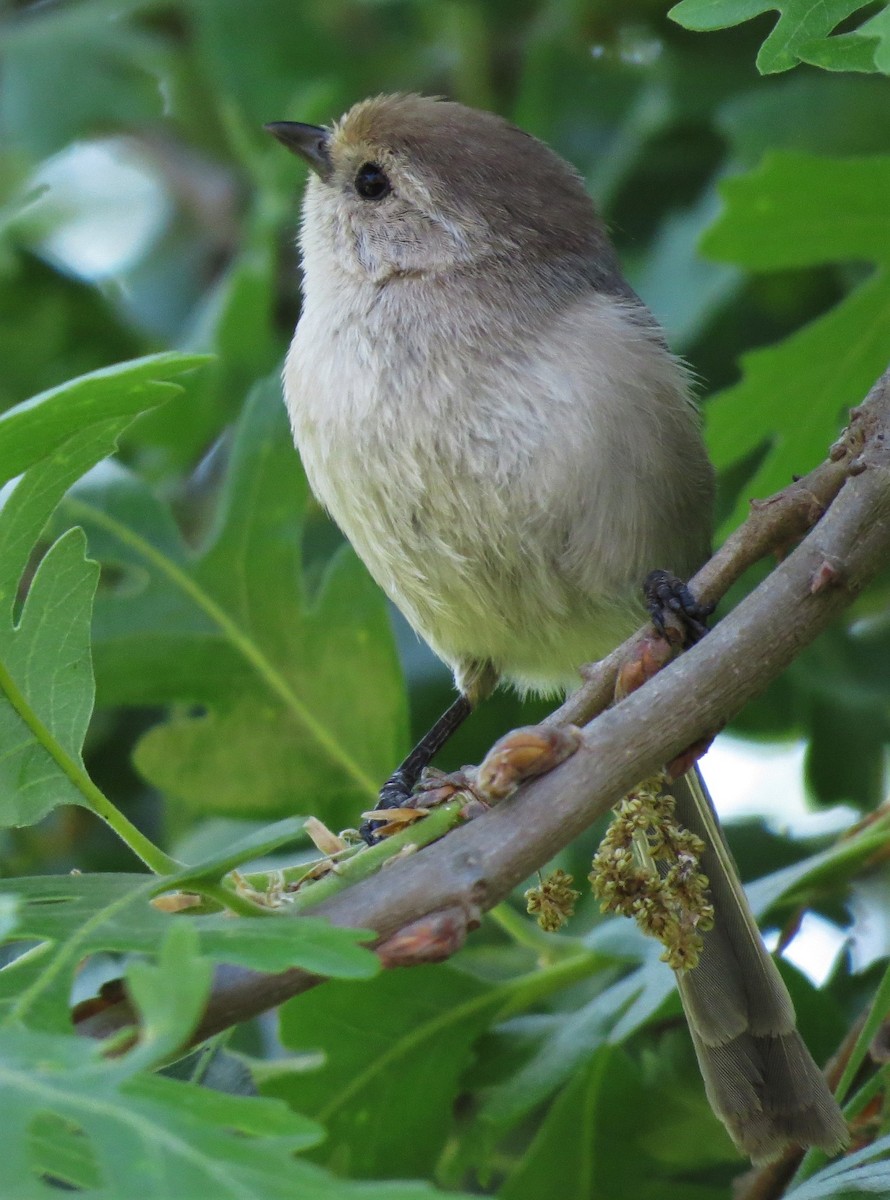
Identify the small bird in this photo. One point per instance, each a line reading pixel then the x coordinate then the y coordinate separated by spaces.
pixel 495 421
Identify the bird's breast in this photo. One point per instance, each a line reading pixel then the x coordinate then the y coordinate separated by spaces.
pixel 508 488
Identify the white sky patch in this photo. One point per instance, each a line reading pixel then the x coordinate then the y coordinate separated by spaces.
pixel 815 947
pixel 766 779
pixel 869 907
pixel 101 208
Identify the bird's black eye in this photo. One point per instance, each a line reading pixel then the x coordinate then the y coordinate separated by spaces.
pixel 371 182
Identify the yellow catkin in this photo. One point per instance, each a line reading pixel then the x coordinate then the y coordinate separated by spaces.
pixel 648 867
pixel 553 900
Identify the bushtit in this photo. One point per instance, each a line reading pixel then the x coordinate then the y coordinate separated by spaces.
pixel 493 418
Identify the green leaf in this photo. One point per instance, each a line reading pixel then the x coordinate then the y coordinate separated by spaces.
pixel 122 84
pixel 144 1128
pixel 844 52
pixel 834 866
pixel 170 994
pixel 785 214
pixel 801 23
pixel 568 1040
pixel 126 1133
pixel 799 390
pixel 606 1105
pixel 879 26
pixel 46 681
pixel 840 116
pixel 172 1139
pixel 75 916
pixel 263 71
pixel 280 941
pixel 46 688
pixel 41 425
pixel 681 288
pixel 798 209
pixel 152 1136
pixel 234 324
pixel 69 328
pixel 155 1137
pixel 257 844
pixel 58 436
pixel 555 1163
pixel 302 702
pixel 9 915
pixel 865 1172
pixel 64 1151
pixel 395 1050
pixel 868 49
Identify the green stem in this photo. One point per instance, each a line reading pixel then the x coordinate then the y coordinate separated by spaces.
pixel 850 851
pixel 867 1093
pixel 370 861
pixel 352 865
pixel 273 679
pixel 877 1014
pixel 299 873
pixel 153 857
pixel 234 901
pixel 526 990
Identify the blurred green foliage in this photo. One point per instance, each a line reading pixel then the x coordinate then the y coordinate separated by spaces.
pixel 244 667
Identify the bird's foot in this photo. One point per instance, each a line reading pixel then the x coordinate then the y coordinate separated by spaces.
pixel 671 603
pixel 397 792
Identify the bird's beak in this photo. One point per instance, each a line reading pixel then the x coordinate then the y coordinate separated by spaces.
pixel 311 142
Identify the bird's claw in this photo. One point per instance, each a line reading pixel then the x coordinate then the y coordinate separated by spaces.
pixel 666 596
pixel 395 793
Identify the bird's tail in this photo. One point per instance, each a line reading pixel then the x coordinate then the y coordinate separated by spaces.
pixel 759 1076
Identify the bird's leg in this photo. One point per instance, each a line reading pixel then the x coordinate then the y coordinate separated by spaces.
pixel 668 597
pixel 666 594
pixel 397 790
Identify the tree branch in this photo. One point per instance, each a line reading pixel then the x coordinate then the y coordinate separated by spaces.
pixel 845 503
